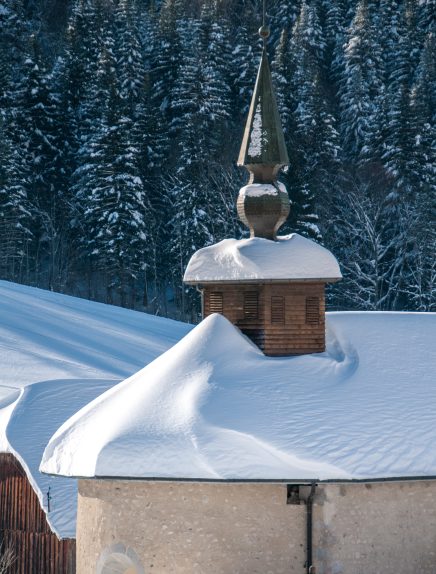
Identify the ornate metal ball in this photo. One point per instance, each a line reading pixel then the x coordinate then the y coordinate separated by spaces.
pixel 264 32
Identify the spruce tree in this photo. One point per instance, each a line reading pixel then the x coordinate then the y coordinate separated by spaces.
pixel 311 131
pixel 282 73
pixel 362 90
pixel 15 211
pixel 243 72
pixel 110 191
pixel 33 124
pixel 421 271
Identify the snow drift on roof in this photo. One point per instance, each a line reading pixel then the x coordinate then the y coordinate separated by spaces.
pixel 84 348
pixel 214 407
pixel 25 428
pixel 291 257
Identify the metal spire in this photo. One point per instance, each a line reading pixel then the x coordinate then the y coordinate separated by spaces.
pixel 263 153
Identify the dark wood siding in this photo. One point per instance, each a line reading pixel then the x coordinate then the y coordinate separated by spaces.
pixel 24 528
pixel 312 311
pixel 277 310
pixel 216 303
pixel 251 305
pixel 290 317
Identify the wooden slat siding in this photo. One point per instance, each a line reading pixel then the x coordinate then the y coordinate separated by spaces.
pixel 293 335
pixel 277 310
pixel 312 311
pixel 23 526
pixel 251 305
pixel 215 302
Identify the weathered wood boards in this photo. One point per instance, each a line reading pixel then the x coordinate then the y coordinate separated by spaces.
pixel 24 528
pixel 282 318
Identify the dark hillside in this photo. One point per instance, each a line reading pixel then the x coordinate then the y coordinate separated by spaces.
pixel 121 122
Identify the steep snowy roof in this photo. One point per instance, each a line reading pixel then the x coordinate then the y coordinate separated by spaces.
pixel 57 354
pixel 214 407
pixel 290 258
pixel 28 417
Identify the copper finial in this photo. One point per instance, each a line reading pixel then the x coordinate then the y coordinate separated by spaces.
pixel 263 205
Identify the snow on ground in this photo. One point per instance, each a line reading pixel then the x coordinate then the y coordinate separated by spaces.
pixel 291 257
pixel 58 353
pixel 45 335
pixel 214 407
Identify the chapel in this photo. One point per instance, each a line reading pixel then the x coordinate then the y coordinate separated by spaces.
pixel 267 439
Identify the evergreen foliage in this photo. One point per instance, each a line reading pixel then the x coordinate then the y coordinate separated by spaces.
pixel 121 128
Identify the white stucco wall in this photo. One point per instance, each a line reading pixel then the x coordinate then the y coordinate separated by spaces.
pixel 223 528
pixel 190 527
pixel 379 528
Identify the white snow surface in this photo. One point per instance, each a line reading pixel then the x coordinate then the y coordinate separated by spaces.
pixel 257 135
pixel 260 189
pixel 58 353
pixel 291 257
pixel 214 407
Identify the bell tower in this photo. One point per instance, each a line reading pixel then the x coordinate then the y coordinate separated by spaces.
pixel 271 287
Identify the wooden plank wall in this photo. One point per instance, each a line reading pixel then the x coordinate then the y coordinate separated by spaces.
pixel 293 335
pixel 24 528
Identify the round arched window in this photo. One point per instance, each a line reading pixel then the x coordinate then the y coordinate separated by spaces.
pixel 118 559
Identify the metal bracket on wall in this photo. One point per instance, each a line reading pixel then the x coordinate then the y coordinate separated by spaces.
pixel 293 494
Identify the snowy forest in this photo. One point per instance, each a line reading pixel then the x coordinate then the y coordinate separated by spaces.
pixel 121 123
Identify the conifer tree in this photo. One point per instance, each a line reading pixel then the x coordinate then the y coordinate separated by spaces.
pixel 282 74
pixel 14 32
pixel 110 190
pixel 284 16
pixel 129 55
pixel 398 145
pixel 15 215
pixel 312 135
pixel 243 71
pixel 362 86
pixel 167 56
pixel 335 28
pixel 421 271
pixel 33 124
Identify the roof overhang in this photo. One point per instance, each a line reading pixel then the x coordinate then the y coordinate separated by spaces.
pixel 261 281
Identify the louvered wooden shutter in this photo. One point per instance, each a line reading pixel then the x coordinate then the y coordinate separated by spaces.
pixel 312 310
pixel 277 309
pixel 251 305
pixel 216 302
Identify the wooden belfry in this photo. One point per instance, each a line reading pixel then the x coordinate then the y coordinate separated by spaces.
pixel 271 288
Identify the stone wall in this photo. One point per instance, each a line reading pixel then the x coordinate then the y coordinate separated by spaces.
pixel 378 528
pixel 187 528
pixel 234 528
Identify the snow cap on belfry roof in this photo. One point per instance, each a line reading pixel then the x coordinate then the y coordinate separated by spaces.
pixel 290 258
pixel 263 153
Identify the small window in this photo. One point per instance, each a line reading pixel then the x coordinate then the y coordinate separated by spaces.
pixel 216 302
pixel 251 305
pixel 312 310
pixel 277 309
pixel 118 559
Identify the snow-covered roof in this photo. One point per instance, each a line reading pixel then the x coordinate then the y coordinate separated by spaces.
pixel 214 407
pixel 290 258
pixel 57 354
pixel 28 418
